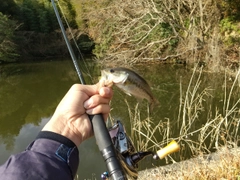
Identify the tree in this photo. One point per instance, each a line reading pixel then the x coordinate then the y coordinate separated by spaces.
pixel 8 49
pixel 39 16
pixel 9 7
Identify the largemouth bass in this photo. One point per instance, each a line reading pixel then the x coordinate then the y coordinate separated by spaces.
pixel 129 82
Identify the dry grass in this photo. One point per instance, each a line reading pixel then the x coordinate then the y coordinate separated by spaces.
pixel 128 32
pixel 219 130
pixel 222 165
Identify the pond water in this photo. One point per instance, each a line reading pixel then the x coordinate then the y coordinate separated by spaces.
pixel 30 92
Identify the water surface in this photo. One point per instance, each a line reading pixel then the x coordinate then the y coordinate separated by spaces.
pixel 30 92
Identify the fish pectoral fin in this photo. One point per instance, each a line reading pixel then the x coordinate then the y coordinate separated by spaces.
pixel 127 93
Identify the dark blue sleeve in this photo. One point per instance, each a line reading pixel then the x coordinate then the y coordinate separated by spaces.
pixel 50 157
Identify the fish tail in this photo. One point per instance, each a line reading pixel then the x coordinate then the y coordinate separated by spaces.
pixel 153 104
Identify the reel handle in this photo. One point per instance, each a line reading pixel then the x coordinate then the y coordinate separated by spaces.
pixel 170 148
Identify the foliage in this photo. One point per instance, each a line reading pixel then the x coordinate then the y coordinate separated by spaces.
pixel 230 29
pixel 68 11
pixel 162 30
pixel 37 16
pixel 101 48
pixel 150 30
pixel 144 30
pixel 230 8
pixel 9 7
pixel 8 52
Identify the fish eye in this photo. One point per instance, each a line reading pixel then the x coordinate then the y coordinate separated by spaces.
pixel 111 71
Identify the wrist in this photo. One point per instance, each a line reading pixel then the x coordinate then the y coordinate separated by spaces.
pixel 65 131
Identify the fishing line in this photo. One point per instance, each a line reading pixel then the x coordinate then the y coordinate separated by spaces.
pixel 79 73
pixel 75 43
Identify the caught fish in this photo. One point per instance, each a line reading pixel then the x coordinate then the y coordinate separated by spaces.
pixel 129 82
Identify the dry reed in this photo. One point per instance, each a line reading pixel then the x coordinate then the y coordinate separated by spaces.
pixel 219 130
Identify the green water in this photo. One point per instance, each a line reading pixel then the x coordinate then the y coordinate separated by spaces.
pixel 30 92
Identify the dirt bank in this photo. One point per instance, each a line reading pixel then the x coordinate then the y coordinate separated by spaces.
pixel 224 164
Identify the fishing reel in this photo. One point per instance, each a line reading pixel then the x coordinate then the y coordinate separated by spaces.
pixel 125 150
pixel 127 154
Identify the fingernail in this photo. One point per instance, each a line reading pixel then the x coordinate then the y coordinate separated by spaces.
pixel 104 91
pixel 107 90
pixel 87 103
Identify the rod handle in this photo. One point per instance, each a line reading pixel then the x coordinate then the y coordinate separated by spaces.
pixel 106 147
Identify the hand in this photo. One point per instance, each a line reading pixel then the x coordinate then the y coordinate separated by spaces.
pixel 71 116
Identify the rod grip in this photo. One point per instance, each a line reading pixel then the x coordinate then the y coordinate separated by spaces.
pixel 100 131
pixel 106 147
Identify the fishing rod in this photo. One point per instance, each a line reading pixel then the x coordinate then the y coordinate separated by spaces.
pixel 103 139
pixel 115 145
pixel 70 49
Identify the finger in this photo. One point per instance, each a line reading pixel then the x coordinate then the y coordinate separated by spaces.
pixel 93 89
pixel 103 109
pixel 106 92
pixel 88 89
pixel 105 116
pixel 95 101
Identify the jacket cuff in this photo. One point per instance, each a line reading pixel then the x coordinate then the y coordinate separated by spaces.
pixel 56 137
pixel 58 146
